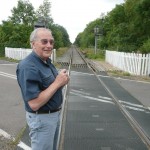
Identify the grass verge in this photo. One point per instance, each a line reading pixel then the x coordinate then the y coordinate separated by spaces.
pixel 11 143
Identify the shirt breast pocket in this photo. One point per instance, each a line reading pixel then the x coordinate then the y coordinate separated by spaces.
pixel 47 81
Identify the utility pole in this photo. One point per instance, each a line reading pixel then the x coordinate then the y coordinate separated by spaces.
pixel 96 31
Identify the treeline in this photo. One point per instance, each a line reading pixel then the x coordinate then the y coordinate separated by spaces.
pixel 15 31
pixel 125 28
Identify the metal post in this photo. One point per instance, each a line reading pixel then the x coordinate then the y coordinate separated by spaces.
pixel 96 31
pixel 95 43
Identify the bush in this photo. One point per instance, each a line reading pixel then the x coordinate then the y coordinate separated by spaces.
pixel 89 53
pixel 2 50
pixel 145 48
pixel 127 48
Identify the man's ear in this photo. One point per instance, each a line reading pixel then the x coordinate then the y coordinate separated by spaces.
pixel 32 45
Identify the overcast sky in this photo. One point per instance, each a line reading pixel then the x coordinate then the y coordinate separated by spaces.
pixel 73 15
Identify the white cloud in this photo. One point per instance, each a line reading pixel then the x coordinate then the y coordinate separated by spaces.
pixel 73 15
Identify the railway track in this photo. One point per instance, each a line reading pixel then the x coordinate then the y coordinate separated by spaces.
pixel 77 60
pixel 74 60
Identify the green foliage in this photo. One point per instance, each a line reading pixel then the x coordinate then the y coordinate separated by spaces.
pixel 125 28
pixel 60 35
pixel 119 73
pixel 65 36
pixel 86 38
pixel 89 53
pixel 14 36
pixel 43 13
pixel 97 56
pixel 16 30
pixel 23 14
pixel 145 48
pixel 61 51
pixel 2 49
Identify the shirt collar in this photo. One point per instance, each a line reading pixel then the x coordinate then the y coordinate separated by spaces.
pixel 47 62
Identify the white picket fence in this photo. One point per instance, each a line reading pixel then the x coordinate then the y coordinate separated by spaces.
pixel 17 53
pixel 21 53
pixel 134 63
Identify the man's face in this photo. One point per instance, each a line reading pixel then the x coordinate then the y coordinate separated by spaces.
pixel 43 45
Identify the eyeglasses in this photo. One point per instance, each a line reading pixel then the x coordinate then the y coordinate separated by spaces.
pixel 45 41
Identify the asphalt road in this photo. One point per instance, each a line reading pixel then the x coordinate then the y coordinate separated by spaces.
pixel 139 89
pixel 12 113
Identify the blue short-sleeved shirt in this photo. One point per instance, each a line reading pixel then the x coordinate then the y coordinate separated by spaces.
pixel 34 76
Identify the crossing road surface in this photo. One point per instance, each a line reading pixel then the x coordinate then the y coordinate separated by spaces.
pixel 12 114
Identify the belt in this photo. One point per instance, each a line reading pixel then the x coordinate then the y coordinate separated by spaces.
pixel 46 111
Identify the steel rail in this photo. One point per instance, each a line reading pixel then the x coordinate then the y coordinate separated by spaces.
pixel 63 111
pixel 135 125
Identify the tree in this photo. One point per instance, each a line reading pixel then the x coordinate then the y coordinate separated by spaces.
pixel 43 13
pixel 125 28
pixel 65 36
pixel 60 36
pixel 23 14
pixel 16 30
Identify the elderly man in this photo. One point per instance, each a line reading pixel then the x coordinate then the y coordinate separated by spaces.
pixel 41 88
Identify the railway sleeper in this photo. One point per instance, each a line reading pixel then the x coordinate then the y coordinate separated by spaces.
pixel 79 65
